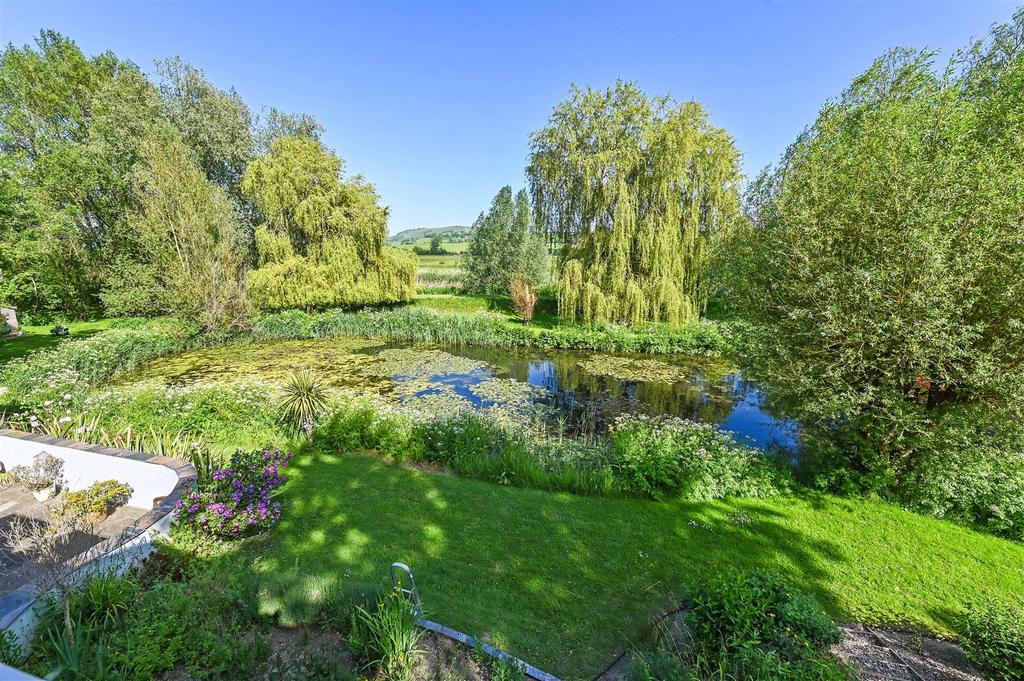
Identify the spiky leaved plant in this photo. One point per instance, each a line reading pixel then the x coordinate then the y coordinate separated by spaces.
pixel 305 400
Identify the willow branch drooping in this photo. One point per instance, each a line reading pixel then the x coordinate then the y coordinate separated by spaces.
pixel 636 192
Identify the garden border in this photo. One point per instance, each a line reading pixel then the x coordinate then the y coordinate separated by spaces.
pixel 17 608
pixel 468 640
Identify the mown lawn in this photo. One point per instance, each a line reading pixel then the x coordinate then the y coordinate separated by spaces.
pixel 566 582
pixel 38 337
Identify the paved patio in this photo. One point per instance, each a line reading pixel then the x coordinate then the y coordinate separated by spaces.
pixel 17 503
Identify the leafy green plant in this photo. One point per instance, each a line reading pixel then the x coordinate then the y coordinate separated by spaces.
pixel 386 638
pixel 341 604
pixel 657 456
pixel 98 500
pixel 81 656
pixel 305 401
pixel 11 653
pixel 993 638
pixel 506 670
pixel 755 625
pixel 104 599
pixel 700 337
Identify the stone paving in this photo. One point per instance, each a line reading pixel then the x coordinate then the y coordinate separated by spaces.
pixel 15 502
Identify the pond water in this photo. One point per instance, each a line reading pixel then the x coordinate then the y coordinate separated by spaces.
pixel 576 390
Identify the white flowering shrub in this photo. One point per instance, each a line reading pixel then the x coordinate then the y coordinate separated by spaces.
pixel 46 470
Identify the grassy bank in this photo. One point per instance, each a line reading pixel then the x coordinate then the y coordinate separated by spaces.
pixel 415 324
pixel 39 338
pixel 568 582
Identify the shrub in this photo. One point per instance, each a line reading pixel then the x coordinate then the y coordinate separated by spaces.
pixel 471 444
pixel 46 470
pixel 524 297
pixel 748 626
pixel 99 499
pixel 993 637
pixel 645 456
pixel 194 625
pixel 880 270
pixel 386 638
pixel 238 500
pixel 971 472
pixel 102 601
pixel 657 456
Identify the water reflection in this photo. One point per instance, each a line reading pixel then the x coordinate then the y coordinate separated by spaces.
pixel 708 392
pixel 583 391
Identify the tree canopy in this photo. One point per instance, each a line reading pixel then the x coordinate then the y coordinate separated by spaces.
pixel 125 196
pixel 881 271
pixel 323 242
pixel 503 245
pixel 636 192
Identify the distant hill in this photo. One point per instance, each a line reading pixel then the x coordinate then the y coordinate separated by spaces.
pixel 452 233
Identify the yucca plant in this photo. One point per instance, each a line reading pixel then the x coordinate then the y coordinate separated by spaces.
pixel 305 400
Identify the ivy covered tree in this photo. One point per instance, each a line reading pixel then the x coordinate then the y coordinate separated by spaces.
pixel 503 245
pixel 881 276
pixel 637 193
pixel 323 242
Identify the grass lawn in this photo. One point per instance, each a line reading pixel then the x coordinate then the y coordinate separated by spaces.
pixel 566 582
pixel 38 337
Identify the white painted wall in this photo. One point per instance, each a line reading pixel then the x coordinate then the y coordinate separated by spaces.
pixel 82 469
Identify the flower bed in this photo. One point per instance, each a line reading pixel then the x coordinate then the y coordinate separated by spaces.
pixel 239 498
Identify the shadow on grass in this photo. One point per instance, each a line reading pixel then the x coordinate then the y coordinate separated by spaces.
pixel 39 338
pixel 563 581
pixel 567 582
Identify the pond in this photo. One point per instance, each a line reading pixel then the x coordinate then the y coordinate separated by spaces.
pixel 577 391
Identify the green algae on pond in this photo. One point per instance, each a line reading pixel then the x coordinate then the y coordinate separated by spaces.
pixel 578 390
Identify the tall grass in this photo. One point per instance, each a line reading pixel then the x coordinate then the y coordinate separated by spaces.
pixel 177 445
pixel 413 324
pixel 644 457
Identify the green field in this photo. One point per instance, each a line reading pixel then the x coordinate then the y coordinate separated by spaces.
pixel 545 315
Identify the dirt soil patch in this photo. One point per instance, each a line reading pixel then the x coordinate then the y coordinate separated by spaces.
pixel 885 655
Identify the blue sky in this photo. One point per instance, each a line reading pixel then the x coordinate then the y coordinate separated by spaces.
pixel 434 102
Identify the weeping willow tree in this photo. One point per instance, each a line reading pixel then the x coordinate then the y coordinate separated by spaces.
pixel 323 241
pixel 637 192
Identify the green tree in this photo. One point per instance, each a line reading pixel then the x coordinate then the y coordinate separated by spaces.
pixel 504 244
pixel 881 271
pixel 187 260
pixel 323 242
pixel 215 123
pixel 70 126
pixel 277 124
pixel 637 192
